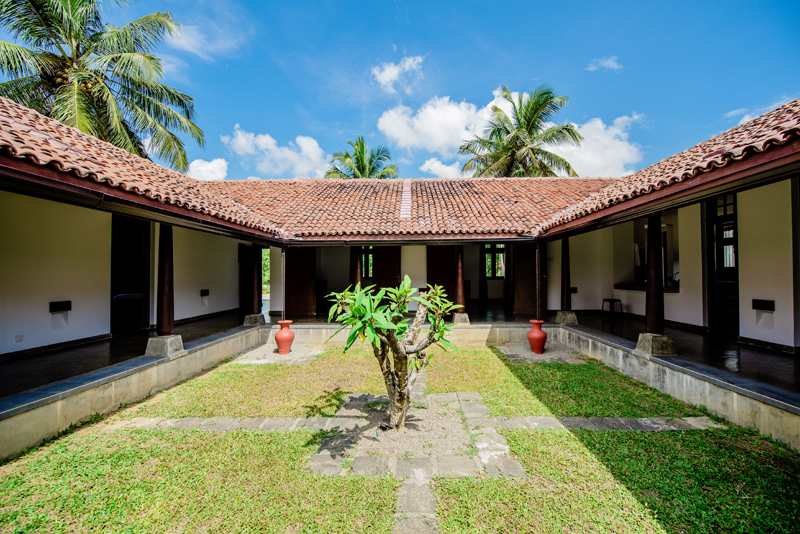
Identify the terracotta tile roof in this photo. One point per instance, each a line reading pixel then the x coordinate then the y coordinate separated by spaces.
pixel 25 134
pixel 758 135
pixel 320 208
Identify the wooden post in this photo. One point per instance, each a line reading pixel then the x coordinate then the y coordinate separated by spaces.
pixel 165 297
pixel 566 285
pixel 359 258
pixel 654 307
pixel 541 281
pixel 460 300
pixel 255 292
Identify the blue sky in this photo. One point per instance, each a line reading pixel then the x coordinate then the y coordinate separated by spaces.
pixel 279 86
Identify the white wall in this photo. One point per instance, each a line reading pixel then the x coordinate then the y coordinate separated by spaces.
pixel 51 252
pixel 765 262
pixel 204 261
pixel 686 306
pixel 414 263
pixel 275 280
pixel 591 270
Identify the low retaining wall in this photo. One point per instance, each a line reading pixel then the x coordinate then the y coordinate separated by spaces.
pixel 28 418
pixel 737 404
pixel 461 335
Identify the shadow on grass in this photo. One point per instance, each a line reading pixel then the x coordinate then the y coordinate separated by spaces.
pixel 326 404
pixel 701 481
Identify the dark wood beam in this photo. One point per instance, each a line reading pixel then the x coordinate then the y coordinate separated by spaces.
pixel 255 291
pixel 566 285
pixel 654 305
pixel 165 292
pixel 460 300
pixel 541 280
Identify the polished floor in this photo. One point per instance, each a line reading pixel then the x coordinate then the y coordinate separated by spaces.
pixel 771 367
pixel 777 369
pixel 28 372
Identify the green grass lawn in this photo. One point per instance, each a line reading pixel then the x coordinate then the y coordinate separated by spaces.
pixel 98 479
pixel 186 481
pixel 270 390
pixel 548 389
pixel 604 481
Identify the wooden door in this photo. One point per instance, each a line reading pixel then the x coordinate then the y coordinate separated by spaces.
pixel 386 266
pixel 301 273
pixel 524 280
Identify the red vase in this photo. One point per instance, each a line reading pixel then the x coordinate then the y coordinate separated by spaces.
pixel 537 336
pixel 284 337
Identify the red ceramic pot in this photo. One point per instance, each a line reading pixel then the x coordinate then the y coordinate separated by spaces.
pixel 537 336
pixel 284 337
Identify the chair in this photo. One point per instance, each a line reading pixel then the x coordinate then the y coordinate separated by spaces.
pixel 612 303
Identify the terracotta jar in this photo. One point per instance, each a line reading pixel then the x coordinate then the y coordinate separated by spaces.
pixel 284 337
pixel 537 336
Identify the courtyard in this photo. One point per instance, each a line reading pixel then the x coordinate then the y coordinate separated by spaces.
pixel 498 440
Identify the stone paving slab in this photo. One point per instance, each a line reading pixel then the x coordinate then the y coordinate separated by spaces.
pixel 504 467
pixel 346 424
pixel 250 423
pixel 415 468
pixel 312 423
pixel 371 466
pixel 702 423
pixel 457 466
pixel 578 422
pixel 474 407
pixel 609 423
pixel 217 424
pixel 481 421
pixel 272 424
pixel 325 464
pixel 416 525
pixel 416 499
pixel 543 423
pixel 469 396
pixel 443 397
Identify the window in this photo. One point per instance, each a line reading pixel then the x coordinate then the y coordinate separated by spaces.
pixel 366 262
pixel 495 261
pixel 670 257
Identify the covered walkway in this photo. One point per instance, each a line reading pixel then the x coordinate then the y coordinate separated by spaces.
pixel 18 374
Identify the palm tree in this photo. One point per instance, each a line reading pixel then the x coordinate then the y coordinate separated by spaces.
pixel 517 145
pixel 98 78
pixel 362 163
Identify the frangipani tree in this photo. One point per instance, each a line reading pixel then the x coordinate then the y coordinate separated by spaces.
pixel 380 319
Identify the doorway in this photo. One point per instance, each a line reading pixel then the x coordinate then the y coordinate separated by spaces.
pixel 723 266
pixel 130 275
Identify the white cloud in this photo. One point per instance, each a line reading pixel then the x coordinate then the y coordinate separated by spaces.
pixel 606 63
pixel 216 169
pixel 747 114
pixel 175 68
pixel 438 169
pixel 439 125
pixel 405 74
pixel 606 149
pixel 207 41
pixel 299 159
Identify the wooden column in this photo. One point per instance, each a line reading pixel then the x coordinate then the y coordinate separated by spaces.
pixel 566 285
pixel 255 279
pixel 165 295
pixel 654 307
pixel 359 275
pixel 541 280
pixel 460 300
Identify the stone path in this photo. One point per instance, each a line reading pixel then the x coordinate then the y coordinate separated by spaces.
pixel 357 419
pixel 554 352
pixel 354 424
